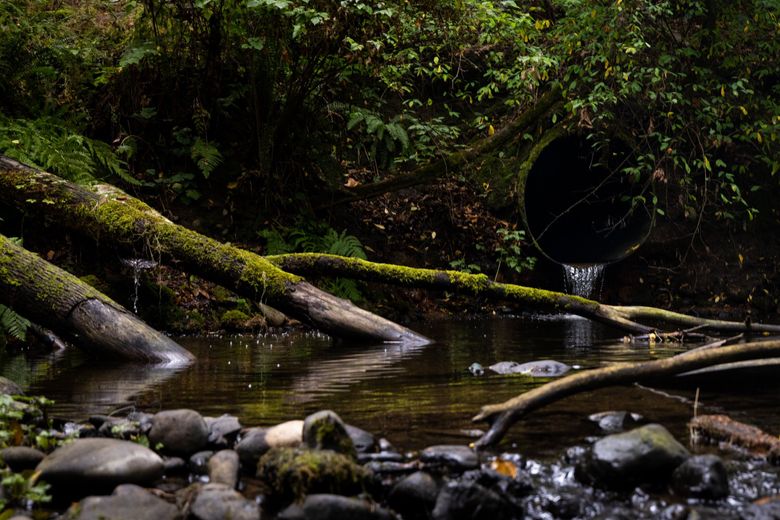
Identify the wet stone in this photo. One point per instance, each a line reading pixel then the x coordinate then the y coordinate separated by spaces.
pixel 453 456
pixel 701 476
pixel 198 462
pixel 20 458
pixel 181 432
pixel 414 496
pixel 324 430
pixel 222 430
pixel 129 502
pixel 391 468
pixel 643 455
pixel 615 421
pixel 363 441
pixel 335 507
pixel 174 465
pixel 218 502
pixel 90 465
pixel 458 500
pixel 541 368
pixel 252 446
pixel 223 468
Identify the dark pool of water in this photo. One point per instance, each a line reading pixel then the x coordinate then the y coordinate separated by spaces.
pixel 413 396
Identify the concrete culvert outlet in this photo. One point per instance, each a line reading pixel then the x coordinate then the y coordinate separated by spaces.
pixel 577 204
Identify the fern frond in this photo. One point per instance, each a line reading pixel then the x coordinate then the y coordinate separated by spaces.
pixel 12 324
pixel 206 156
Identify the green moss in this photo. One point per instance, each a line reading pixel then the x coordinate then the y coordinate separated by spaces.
pixel 233 320
pixel 292 473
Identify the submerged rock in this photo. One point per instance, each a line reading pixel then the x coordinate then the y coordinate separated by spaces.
pixel 647 454
pixel 456 457
pixel 89 465
pixel 476 369
pixel 129 502
pixel 324 430
pixel 542 368
pixel 181 432
pixel 701 476
pixel 291 473
pixel 335 507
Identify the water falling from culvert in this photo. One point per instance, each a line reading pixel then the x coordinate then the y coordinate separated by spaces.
pixel 138 265
pixel 582 279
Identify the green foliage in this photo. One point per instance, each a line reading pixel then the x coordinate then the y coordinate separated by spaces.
pixel 12 324
pixel 318 239
pixel 510 253
pixel 22 491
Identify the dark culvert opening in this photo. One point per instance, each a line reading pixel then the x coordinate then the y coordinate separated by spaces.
pixel 578 203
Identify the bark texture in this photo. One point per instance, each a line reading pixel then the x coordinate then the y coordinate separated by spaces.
pixel 58 300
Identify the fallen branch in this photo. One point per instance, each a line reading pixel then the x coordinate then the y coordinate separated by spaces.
pixel 502 416
pixel 530 298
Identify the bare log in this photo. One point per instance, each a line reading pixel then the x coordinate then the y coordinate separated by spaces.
pixel 58 300
pixel 106 213
pixel 502 416
pixel 717 429
pixel 622 318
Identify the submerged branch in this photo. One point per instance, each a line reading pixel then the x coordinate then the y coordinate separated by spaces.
pixel 502 416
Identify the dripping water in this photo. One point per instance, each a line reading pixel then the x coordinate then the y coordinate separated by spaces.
pixel 137 265
pixel 582 279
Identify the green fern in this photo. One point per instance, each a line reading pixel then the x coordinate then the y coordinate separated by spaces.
pixel 12 324
pixel 48 144
pixel 206 156
pixel 343 244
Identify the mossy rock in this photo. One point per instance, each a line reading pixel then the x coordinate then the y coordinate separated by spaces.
pixel 292 473
pixel 324 430
pixel 233 320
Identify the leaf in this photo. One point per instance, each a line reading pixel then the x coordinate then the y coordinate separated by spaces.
pixel 206 156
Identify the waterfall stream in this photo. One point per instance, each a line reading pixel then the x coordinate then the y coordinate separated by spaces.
pixel 138 265
pixel 582 279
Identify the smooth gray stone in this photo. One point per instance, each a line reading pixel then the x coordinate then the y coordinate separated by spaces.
pixel 252 446
pixel 181 432
pixel 364 441
pixel 129 502
pixel 454 456
pixel 701 476
pixel 222 429
pixel 198 463
pixel 461 500
pixel 335 507
pixel 103 463
pixel 643 455
pixel 219 502
pixel 223 468
pixel 541 368
pixel 20 458
pixel 414 496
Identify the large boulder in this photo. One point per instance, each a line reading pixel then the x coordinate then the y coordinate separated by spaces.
pixel 180 432
pixel 644 455
pixel 324 430
pixel 94 465
pixel 129 502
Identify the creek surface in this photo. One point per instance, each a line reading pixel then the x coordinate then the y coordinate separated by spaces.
pixel 413 396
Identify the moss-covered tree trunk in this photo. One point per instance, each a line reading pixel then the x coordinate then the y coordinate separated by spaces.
pixel 58 300
pixel 109 215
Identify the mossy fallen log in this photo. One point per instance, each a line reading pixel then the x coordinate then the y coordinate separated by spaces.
pixel 107 214
pixel 502 416
pixel 60 301
pixel 623 318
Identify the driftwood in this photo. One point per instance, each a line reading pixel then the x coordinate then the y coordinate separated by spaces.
pixel 107 214
pixel 502 416
pixel 718 429
pixel 58 300
pixel 480 285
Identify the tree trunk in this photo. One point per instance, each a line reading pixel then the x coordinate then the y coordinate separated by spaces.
pixel 58 300
pixel 106 213
pixel 480 285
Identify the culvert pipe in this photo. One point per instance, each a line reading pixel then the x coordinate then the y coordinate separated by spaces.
pixel 577 204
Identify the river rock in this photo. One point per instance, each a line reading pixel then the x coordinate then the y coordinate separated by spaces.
pixel 291 473
pixel 218 502
pixel 129 502
pixel 460 458
pixel 701 476
pixel 541 368
pixel 647 454
pixel 335 507
pixel 251 447
pixel 223 468
pixel 324 430
pixel 458 500
pixel 363 441
pixel 198 462
pixel 222 430
pixel 476 369
pixel 285 435
pixel 414 496
pixel 181 432
pixel 615 421
pixel 20 458
pixel 90 465
pixel 9 387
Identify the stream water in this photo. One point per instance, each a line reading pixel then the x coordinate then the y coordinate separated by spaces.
pixel 413 396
